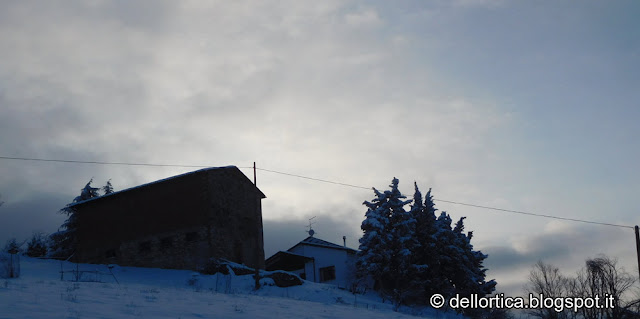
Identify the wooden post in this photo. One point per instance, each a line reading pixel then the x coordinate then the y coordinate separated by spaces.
pixel 638 248
pixel 11 266
pixel 12 271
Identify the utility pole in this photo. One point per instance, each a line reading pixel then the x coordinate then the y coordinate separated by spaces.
pixel 257 274
pixel 638 248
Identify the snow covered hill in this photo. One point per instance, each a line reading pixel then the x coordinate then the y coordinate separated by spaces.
pixel 159 293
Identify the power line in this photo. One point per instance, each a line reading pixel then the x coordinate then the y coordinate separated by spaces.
pixel 313 179
pixel 464 204
pixel 104 163
pixel 532 214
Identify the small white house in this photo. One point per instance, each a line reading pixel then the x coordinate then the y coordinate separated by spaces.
pixel 317 260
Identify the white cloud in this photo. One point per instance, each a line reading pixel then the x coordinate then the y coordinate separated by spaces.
pixel 364 17
pixel 479 3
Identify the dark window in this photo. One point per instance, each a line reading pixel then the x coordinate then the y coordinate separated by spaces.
pixel 111 253
pixel 166 242
pixel 144 247
pixel 191 237
pixel 327 273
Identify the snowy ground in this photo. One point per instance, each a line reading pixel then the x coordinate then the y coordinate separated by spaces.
pixel 161 293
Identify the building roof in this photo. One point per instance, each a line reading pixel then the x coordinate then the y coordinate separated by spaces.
pixel 167 179
pixel 284 260
pixel 312 241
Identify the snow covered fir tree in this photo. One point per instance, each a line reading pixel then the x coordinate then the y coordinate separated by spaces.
pixel 63 242
pixel 385 248
pixel 412 254
pixel 107 188
pixel 37 245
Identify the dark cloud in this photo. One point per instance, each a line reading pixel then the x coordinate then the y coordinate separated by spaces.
pixel 563 245
pixel 283 234
pixel 40 213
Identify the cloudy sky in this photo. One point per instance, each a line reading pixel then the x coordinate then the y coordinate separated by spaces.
pixel 523 105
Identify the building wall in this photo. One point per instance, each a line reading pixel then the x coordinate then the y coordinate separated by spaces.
pixel 236 207
pixel 310 272
pixel 326 257
pixel 178 223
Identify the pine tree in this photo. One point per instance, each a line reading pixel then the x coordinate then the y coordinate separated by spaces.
pixel 472 270
pixel 12 246
pixel 468 274
pixel 107 188
pixel 373 256
pixel 402 244
pixel 428 280
pixel 461 266
pixel 387 244
pixel 87 192
pixel 64 241
pixel 37 246
pixel 448 255
pixel 462 273
pixel 417 282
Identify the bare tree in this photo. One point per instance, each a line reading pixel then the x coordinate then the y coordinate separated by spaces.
pixel 1 202
pixel 634 305
pixel 602 277
pixel 547 280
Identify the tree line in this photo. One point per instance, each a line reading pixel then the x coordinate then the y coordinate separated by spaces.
pixel 412 254
pixel 60 244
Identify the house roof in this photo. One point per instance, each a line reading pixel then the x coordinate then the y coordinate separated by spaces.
pixel 312 241
pixel 233 168
pixel 284 260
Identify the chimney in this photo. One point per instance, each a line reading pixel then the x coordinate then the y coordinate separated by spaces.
pixel 344 240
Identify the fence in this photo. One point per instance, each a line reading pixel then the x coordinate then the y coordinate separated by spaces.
pixel 85 275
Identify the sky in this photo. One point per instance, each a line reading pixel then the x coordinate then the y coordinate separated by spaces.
pixel 520 105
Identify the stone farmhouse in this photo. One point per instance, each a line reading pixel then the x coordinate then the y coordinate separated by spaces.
pixel 179 222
